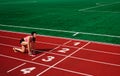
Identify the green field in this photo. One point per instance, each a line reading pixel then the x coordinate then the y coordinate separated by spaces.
pixel 94 20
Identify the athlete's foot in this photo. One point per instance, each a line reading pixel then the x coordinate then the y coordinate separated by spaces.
pixel 14 50
pixel 30 54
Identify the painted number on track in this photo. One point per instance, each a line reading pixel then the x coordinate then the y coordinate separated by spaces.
pixel 48 59
pixel 63 50
pixel 76 43
pixel 27 70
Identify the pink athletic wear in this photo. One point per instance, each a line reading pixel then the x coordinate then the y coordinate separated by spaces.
pixel 27 38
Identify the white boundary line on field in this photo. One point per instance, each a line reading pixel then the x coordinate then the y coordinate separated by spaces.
pixel 102 11
pixel 103 35
pixel 65 38
pixel 84 9
pixel 75 34
pixel 18 2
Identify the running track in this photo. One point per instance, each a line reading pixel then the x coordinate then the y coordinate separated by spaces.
pixel 58 57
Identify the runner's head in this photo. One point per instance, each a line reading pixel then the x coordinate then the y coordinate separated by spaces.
pixel 34 36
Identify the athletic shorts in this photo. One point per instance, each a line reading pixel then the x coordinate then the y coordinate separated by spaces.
pixel 21 40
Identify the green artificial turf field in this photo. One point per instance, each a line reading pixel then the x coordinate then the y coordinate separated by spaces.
pixel 95 20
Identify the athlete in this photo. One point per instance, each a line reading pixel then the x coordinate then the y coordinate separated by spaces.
pixel 28 43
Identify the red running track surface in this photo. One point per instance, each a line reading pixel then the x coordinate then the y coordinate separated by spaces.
pixel 58 56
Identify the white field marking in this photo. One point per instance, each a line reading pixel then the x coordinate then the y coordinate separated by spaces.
pixel 36 41
pixel 10 37
pixel 102 51
pixel 66 38
pixel 16 46
pixel 71 47
pixel 55 48
pixel 63 69
pixel 37 28
pixel 76 43
pixel 89 60
pixel 102 11
pixel 73 71
pixel 63 60
pixel 84 9
pixel 40 64
pixel 75 33
pixel 95 61
pixel 38 56
pixel 7 45
pixel 23 60
pixel 40 42
pixel 48 43
pixel 16 67
pixel 49 51
pixel 105 35
pixel 68 46
pixel 19 2
pixel 64 45
pixel 67 42
pixel 44 53
pixel 19 47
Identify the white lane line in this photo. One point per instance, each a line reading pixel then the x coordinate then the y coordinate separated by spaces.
pixel 43 42
pixel 95 61
pixel 63 60
pixel 64 38
pixel 67 42
pixel 10 37
pixel 49 51
pixel 16 67
pixel 36 41
pixel 7 45
pixel 89 60
pixel 84 9
pixel 100 51
pixel 38 56
pixel 40 64
pixel 44 53
pixel 65 45
pixel 23 60
pixel 71 71
pixel 105 35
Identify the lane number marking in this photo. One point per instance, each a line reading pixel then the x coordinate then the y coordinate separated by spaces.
pixel 64 50
pixel 27 70
pixel 49 58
